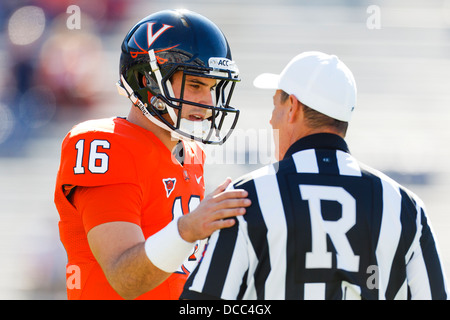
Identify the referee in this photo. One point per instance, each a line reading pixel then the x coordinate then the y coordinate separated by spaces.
pixel 321 224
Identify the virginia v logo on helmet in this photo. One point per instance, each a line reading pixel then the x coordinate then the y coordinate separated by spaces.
pixel 168 42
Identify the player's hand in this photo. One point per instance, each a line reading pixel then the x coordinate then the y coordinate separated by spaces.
pixel 212 213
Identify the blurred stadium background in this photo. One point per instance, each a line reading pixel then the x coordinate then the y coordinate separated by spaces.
pixel 52 77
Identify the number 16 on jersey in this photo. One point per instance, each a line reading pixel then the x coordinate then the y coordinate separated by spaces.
pixel 98 162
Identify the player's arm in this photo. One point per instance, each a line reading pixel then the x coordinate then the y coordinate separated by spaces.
pixel 119 248
pixel 134 265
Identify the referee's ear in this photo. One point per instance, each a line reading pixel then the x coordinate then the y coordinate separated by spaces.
pixel 296 109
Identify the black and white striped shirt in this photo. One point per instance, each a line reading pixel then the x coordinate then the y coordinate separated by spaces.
pixel 322 226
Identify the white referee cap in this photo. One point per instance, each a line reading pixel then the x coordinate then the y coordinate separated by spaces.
pixel 318 80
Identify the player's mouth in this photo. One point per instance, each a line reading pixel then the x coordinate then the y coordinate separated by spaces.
pixel 196 117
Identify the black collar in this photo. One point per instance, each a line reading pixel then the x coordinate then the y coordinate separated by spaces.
pixel 318 141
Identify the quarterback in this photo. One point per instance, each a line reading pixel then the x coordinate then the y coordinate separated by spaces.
pixel 130 191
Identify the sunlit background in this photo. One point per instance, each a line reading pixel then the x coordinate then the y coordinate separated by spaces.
pixel 56 71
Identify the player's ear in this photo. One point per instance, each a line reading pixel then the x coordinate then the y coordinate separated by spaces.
pixel 295 109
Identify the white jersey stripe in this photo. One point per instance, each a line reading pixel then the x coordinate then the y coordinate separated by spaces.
pixel 416 270
pixel 389 234
pixel 274 218
pixel 348 166
pixel 315 291
pixel 199 281
pixel 402 294
pixel 306 162
pixel 250 293
pixel 238 265
pixel 416 242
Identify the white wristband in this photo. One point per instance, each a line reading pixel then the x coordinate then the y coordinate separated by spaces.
pixel 166 249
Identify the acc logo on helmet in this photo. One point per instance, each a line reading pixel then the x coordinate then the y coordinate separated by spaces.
pixel 222 63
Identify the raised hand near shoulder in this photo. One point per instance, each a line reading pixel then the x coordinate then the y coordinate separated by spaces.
pixel 214 213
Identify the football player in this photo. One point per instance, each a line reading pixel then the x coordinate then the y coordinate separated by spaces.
pixel 130 191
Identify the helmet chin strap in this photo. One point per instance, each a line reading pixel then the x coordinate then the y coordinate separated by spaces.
pixel 125 90
pixel 157 72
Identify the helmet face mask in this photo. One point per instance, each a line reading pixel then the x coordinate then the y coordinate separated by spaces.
pixel 189 44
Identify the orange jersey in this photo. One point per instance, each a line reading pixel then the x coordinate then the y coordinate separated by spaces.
pixel 147 187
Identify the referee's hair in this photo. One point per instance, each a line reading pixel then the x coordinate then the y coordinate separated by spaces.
pixel 315 119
